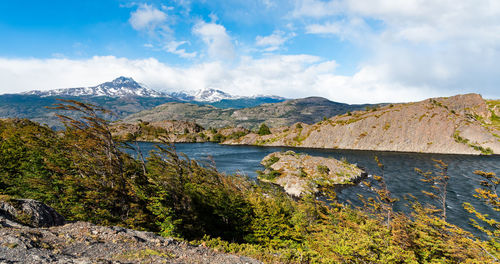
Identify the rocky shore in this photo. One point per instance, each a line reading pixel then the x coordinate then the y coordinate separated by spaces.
pixel 33 233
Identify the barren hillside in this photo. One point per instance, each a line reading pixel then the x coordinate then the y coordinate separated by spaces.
pixel 461 124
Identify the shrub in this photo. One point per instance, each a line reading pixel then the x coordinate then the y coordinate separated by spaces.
pixel 264 130
pixel 218 137
pixel 323 169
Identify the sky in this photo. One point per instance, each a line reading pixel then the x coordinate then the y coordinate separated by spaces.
pixel 352 51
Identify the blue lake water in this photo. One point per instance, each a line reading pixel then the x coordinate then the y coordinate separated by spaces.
pixel 400 172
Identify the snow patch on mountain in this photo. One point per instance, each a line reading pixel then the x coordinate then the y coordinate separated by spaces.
pixel 124 86
pixel 119 87
pixel 204 95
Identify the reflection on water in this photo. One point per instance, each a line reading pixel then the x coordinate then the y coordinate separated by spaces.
pixel 400 172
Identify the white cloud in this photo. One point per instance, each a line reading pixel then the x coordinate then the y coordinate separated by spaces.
pixel 327 28
pixel 155 22
pixel 274 41
pixel 173 47
pixel 215 36
pixel 147 17
pixel 315 8
pixel 285 75
pixel 268 3
pixel 447 45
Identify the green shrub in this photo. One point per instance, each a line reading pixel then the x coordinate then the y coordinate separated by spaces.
pixel 323 169
pixel 271 161
pixel 264 130
pixel 218 137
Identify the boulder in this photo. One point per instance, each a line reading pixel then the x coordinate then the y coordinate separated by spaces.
pixel 29 212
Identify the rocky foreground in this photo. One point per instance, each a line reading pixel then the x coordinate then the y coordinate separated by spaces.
pixel 299 174
pixel 462 124
pixel 31 232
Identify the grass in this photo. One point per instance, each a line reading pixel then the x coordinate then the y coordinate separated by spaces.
pixel 144 253
pixel 271 161
pixel 273 174
pixel 474 145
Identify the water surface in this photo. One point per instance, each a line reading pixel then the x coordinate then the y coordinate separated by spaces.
pixel 400 172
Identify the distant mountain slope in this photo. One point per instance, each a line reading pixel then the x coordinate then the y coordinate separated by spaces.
pixel 119 87
pixel 34 107
pixel 243 102
pixel 455 124
pixel 307 110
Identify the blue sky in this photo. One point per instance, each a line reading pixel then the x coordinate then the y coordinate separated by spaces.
pixel 352 51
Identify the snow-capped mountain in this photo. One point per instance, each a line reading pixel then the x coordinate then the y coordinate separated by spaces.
pixel 204 95
pixel 119 87
pixel 127 87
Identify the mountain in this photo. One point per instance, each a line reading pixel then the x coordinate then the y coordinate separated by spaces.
pixel 462 124
pixel 244 102
pixel 204 95
pixel 308 110
pixel 123 96
pixel 222 99
pixel 119 87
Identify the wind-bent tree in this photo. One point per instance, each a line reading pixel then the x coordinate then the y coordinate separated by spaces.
pixel 384 201
pixel 489 195
pixel 438 182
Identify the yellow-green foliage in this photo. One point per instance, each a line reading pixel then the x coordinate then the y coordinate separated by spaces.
pixel 495 119
pixel 83 174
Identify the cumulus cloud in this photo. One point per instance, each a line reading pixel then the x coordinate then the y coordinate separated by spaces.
pixel 173 47
pixel 218 41
pixel 147 17
pixel 274 41
pixel 446 45
pixel 315 8
pixel 327 28
pixel 285 75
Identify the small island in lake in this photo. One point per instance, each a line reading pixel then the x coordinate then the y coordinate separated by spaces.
pixel 299 174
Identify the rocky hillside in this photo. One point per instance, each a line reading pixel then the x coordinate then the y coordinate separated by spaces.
pixel 308 110
pixel 174 131
pixel 300 173
pixel 27 242
pixel 455 124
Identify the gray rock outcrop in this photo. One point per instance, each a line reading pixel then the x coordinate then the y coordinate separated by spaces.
pixel 15 212
pixel 32 233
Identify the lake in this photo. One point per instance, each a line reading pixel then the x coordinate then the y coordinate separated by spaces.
pixel 400 172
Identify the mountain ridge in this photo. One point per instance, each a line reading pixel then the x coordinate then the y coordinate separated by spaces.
pixel 307 110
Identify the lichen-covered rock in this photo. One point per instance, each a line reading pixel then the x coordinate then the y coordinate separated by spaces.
pixel 30 212
pixel 301 173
